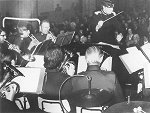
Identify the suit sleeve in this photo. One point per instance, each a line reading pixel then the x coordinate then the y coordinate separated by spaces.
pixel 94 21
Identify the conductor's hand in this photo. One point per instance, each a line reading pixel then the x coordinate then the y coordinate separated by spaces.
pixel 99 25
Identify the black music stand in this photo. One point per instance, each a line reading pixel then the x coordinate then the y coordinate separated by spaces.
pixel 42 47
pixel 59 40
pixel 68 38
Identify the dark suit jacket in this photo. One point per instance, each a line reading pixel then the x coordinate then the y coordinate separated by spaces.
pixel 40 37
pixel 100 79
pixel 53 83
pixel 7 106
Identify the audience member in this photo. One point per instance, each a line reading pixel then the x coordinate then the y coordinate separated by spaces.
pixel 58 8
pixel 100 79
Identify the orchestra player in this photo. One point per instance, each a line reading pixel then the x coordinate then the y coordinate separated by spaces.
pixel 101 79
pixel 21 40
pixel 45 33
pixel 102 30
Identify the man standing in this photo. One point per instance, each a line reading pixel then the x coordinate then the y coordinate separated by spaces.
pixel 102 30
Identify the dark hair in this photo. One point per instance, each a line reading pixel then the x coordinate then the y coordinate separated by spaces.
pixel 107 3
pixel 53 57
pixel 21 27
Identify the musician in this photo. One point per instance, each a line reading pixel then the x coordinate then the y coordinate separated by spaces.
pixel 7 105
pixel 21 39
pixel 44 33
pixel 53 58
pixel 3 45
pixel 105 31
pixel 100 79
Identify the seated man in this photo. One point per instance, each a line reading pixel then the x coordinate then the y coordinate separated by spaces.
pixel 53 58
pixel 7 104
pixel 100 79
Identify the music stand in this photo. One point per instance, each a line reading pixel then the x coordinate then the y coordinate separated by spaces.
pixel 68 38
pixel 42 47
pixel 59 40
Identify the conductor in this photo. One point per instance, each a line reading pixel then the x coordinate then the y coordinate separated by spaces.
pixel 104 24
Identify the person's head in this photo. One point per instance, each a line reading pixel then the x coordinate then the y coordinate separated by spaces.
pixel 53 57
pixel 136 38
pixel 2 35
pixel 45 26
pixel 107 6
pixel 93 55
pixel 130 31
pixel 23 31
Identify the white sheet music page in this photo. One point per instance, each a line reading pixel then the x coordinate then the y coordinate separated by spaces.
pixel 147 75
pixel 146 49
pixel 134 60
pixel 33 80
pixel 82 65
pixel 39 62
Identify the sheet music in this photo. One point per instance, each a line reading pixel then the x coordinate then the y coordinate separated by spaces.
pixel 33 80
pixel 147 75
pixel 132 49
pixel 39 62
pixel 134 60
pixel 146 49
pixel 82 65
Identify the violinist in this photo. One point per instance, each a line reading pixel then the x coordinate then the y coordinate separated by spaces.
pixel 102 30
pixel 44 33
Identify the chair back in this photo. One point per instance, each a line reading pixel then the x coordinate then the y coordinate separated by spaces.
pixel 53 106
pixel 89 110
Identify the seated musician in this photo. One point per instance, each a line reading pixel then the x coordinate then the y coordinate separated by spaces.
pixel 101 79
pixel 9 50
pixel 7 105
pixel 53 58
pixel 21 40
pixel 3 42
pixel 44 33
